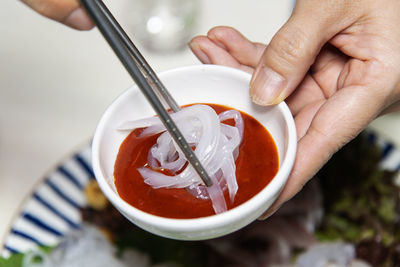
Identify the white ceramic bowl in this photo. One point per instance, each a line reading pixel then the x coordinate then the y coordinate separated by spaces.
pixel 195 84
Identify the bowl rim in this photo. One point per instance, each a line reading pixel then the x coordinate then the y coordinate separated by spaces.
pixel 214 221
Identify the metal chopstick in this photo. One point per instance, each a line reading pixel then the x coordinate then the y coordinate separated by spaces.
pixel 150 75
pixel 143 75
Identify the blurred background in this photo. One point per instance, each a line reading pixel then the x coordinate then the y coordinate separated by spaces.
pixel 56 82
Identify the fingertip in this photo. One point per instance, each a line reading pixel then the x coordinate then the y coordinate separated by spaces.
pixel 235 43
pixel 220 32
pixel 268 213
pixel 196 47
pixel 217 30
pixel 196 40
pixel 219 35
pixel 79 20
pixel 263 217
pixel 197 43
pixel 204 43
pixel 209 52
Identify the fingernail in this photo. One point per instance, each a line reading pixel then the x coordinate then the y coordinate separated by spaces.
pixel 199 53
pixel 266 86
pixel 79 20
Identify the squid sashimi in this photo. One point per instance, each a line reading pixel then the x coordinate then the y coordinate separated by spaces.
pixel 215 143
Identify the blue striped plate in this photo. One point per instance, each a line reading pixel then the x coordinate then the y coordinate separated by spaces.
pixel 53 208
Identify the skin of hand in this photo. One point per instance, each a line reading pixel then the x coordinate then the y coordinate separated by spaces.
pixel 68 12
pixel 335 63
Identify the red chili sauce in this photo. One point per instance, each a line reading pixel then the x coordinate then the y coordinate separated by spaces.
pixel 256 165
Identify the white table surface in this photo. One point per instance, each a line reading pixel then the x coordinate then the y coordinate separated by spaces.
pixel 56 82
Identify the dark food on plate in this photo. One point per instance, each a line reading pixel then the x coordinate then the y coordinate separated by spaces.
pixel 360 202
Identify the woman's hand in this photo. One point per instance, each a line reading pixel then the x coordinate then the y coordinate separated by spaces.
pixel 68 12
pixel 337 65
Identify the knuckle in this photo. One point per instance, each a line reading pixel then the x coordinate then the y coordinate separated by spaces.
pixel 291 46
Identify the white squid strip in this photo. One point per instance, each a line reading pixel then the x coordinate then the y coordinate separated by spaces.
pixel 131 125
pixel 236 116
pixel 216 145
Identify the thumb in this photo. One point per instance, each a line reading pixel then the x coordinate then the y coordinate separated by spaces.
pixel 293 50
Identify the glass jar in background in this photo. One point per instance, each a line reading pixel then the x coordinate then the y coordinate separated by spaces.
pixel 162 26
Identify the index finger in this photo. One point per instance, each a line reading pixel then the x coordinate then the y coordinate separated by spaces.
pixel 67 12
